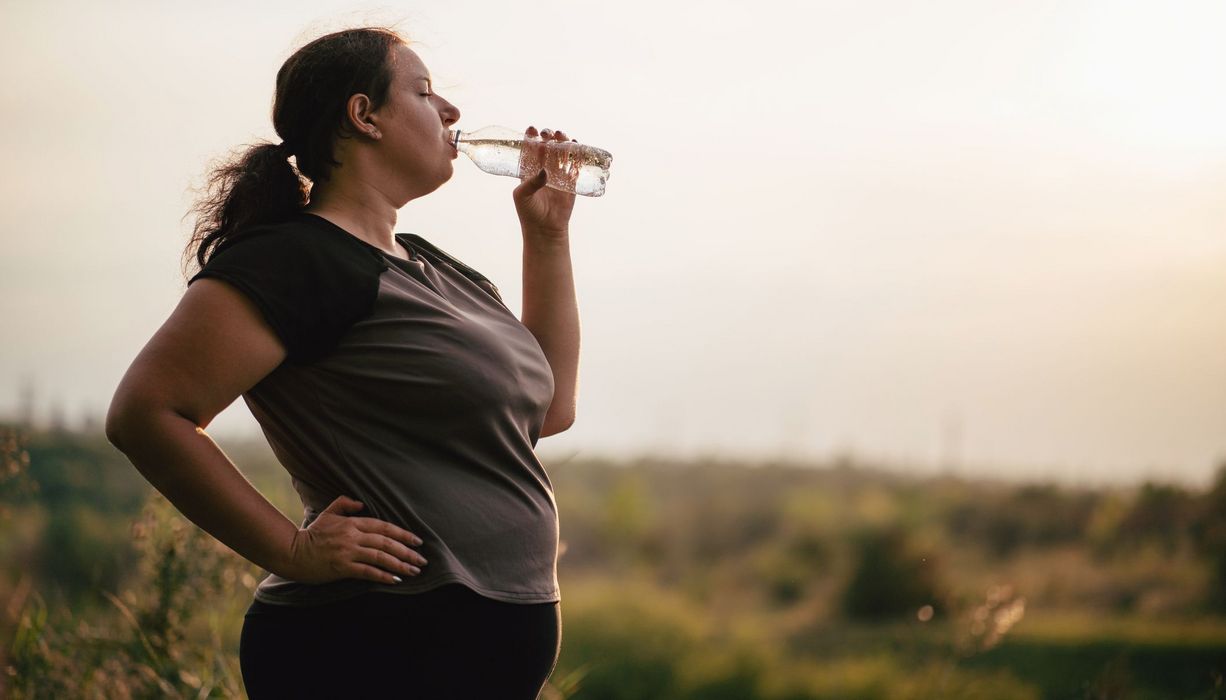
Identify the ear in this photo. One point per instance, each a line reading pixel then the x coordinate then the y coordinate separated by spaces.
pixel 360 117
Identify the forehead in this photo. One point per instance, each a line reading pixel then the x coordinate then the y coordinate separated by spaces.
pixel 406 64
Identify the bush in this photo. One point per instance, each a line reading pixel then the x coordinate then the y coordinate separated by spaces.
pixel 1042 516
pixel 627 642
pixel 1211 538
pixel 146 651
pixel 889 579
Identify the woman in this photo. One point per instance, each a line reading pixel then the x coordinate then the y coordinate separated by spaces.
pixel 402 395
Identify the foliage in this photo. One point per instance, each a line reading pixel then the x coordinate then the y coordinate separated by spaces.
pixel 15 482
pixel 148 649
pixel 1210 528
pixel 1161 514
pixel 634 640
pixel 702 579
pixel 891 580
pixel 1033 515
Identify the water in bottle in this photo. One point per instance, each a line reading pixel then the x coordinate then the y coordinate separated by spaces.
pixel 569 166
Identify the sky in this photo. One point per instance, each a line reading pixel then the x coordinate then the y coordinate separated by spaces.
pixel 961 236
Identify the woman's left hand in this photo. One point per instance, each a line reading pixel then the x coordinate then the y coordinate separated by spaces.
pixel 543 211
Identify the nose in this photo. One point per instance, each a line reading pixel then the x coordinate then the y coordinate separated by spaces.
pixel 450 113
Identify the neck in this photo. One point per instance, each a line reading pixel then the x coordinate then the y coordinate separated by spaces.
pixel 366 215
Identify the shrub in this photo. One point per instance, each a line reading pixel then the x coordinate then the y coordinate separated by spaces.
pixel 146 651
pixel 889 580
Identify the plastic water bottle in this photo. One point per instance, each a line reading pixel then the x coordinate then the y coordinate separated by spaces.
pixel 569 166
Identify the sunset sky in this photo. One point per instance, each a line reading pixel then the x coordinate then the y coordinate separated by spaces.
pixel 982 236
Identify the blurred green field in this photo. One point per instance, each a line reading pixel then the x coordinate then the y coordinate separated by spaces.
pixel 712 580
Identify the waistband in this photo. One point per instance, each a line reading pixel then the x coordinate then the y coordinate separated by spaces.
pixel 449 595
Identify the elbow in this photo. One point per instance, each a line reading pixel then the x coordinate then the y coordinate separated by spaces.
pixel 134 415
pixel 116 418
pixel 122 418
pixel 554 425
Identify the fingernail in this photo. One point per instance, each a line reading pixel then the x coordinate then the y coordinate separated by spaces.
pixel 417 540
pixel 397 579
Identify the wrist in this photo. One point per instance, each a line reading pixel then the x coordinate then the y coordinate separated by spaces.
pixel 546 239
pixel 288 555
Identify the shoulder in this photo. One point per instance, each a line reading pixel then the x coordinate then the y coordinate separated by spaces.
pixel 310 282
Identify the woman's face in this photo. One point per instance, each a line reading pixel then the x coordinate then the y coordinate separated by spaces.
pixel 414 121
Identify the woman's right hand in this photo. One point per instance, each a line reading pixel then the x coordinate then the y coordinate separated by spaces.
pixel 338 546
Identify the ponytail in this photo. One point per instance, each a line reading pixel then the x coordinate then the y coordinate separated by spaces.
pixel 258 186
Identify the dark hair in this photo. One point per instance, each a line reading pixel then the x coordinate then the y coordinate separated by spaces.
pixel 259 185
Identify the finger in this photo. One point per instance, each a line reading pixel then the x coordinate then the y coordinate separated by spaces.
pixel 344 504
pixel 533 184
pixel 370 573
pixel 383 527
pixel 560 135
pixel 563 163
pixel 546 134
pixel 529 186
pixel 531 155
pixel 385 561
pixel 397 549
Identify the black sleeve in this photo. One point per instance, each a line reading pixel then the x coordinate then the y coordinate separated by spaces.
pixel 311 287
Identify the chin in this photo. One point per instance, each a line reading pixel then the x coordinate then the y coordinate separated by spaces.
pixel 447 174
pixel 422 187
pixel 437 185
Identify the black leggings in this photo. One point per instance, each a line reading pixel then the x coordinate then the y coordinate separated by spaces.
pixel 447 643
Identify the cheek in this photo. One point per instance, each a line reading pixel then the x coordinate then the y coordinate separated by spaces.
pixel 414 152
pixel 423 136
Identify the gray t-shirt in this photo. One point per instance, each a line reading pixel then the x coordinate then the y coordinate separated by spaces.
pixel 411 387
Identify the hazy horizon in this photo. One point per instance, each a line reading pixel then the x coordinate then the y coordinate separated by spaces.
pixel 980 234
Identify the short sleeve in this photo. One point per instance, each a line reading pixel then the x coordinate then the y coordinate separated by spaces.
pixel 310 285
